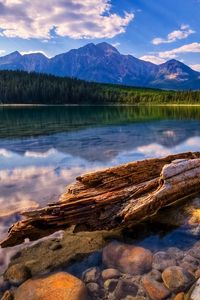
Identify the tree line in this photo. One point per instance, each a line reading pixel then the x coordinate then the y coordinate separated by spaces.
pixel 18 87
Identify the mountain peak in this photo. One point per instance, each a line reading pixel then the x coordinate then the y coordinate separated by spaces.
pixel 106 47
pixel 14 54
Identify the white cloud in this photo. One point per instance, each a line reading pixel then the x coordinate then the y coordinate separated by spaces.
pixel 153 58
pixel 189 48
pixel 73 18
pixel 175 35
pixel 163 56
pixel 195 67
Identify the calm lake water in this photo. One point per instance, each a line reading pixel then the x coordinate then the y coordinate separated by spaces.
pixel 43 149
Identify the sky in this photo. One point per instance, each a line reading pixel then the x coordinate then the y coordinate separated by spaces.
pixel 152 30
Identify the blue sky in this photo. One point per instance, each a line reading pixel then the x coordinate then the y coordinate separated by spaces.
pixel 149 29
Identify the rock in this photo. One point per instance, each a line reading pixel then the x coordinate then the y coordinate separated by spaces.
pixel 195 294
pixel 4 285
pixel 154 289
pixel 110 273
pixel 17 274
pixel 197 274
pixel 162 260
pixel 74 247
pixel 8 295
pixel 127 258
pixel 175 253
pixel 177 279
pixel 110 285
pixel 91 275
pixel 155 274
pixel 93 288
pixel 134 298
pixel 179 296
pixel 55 246
pixel 195 252
pixel 62 286
pixel 124 288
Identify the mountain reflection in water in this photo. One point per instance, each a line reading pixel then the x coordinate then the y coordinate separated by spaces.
pixel 42 149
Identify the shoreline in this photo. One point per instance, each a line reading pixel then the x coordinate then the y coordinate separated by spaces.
pixel 98 105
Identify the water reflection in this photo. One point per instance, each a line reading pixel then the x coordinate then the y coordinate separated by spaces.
pixel 43 149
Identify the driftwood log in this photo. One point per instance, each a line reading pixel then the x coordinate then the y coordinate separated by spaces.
pixel 119 196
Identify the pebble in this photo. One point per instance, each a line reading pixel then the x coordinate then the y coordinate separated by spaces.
pixel 110 285
pixel 62 286
pixel 91 275
pixel 124 288
pixel 177 279
pixel 110 273
pixel 179 296
pixel 17 274
pixel 195 294
pixel 127 258
pixel 162 260
pixel 8 295
pixel 155 289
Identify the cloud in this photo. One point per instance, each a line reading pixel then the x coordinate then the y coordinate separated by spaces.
pixel 73 18
pixel 175 35
pixel 153 58
pixel 163 56
pixel 195 67
pixel 189 48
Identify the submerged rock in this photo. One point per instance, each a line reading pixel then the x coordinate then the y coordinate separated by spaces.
pixel 91 275
pixel 177 279
pixel 110 274
pixel 155 289
pixel 62 286
pixel 162 260
pixel 8 295
pixel 125 288
pixel 127 259
pixel 194 294
pixel 41 258
pixel 17 274
pixel 179 296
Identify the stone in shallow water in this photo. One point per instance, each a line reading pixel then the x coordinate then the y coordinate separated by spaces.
pixel 155 274
pixel 195 294
pixel 8 295
pixel 110 273
pixel 93 288
pixel 179 296
pixel 62 286
pixel 17 274
pixel 127 258
pixel 162 260
pixel 110 285
pixel 91 275
pixel 124 288
pixel 155 289
pixel 177 279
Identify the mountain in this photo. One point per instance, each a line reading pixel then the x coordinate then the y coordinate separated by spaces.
pixel 104 63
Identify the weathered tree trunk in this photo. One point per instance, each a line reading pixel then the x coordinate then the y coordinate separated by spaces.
pixel 119 196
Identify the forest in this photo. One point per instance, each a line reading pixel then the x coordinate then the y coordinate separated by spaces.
pixel 18 87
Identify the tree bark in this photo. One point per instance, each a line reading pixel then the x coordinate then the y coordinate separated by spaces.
pixel 119 196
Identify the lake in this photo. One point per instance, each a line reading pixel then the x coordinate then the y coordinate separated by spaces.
pixel 43 149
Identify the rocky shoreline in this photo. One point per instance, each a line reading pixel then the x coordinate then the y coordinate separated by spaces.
pixel 124 271
pixel 113 265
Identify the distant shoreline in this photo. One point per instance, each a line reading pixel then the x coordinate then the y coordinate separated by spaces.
pixel 96 105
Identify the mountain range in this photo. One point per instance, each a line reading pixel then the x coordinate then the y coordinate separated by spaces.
pixel 104 63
